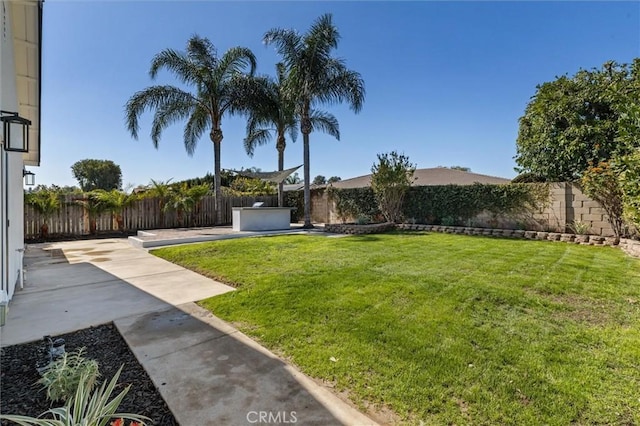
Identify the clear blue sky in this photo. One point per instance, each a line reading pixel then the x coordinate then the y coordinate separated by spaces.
pixel 446 81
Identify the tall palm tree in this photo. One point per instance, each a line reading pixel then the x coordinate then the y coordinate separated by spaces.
pixel 272 110
pixel 315 77
pixel 216 93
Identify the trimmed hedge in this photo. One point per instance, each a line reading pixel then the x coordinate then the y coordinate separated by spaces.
pixel 447 204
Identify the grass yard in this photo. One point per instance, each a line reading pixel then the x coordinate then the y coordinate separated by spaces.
pixel 443 328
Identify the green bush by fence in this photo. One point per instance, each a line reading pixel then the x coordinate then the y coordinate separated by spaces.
pixel 448 204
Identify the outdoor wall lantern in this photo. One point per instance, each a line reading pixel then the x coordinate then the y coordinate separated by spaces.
pixel 16 131
pixel 29 177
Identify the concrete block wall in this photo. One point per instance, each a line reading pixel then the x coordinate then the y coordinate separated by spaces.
pixel 566 204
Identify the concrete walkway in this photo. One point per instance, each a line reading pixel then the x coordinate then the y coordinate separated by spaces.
pixel 208 372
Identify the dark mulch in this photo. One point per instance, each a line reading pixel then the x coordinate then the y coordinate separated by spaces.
pixel 19 395
pixel 51 238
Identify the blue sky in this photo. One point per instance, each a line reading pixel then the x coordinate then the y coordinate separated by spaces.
pixel 446 81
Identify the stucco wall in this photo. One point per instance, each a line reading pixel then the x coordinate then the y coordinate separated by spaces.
pixel 11 166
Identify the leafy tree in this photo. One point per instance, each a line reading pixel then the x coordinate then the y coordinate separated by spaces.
pixel 293 179
pixel 115 202
pixel 97 174
pixel 390 180
pixel 573 122
pixel 272 111
pixel 248 186
pixel 319 180
pixel 45 202
pixel 602 183
pixel 217 84
pixel 314 76
pixel 333 179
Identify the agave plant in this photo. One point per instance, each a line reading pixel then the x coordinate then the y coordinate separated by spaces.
pixel 84 408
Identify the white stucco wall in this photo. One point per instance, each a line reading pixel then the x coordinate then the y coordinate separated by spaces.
pixel 11 166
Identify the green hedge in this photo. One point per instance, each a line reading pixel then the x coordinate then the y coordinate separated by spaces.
pixel 447 204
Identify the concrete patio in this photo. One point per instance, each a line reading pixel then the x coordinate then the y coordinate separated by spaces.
pixel 206 370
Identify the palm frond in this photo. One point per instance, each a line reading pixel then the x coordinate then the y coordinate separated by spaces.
pixel 325 122
pixel 177 63
pixel 202 52
pixel 235 61
pixel 197 124
pixel 288 44
pixel 168 114
pixel 154 97
pixel 256 138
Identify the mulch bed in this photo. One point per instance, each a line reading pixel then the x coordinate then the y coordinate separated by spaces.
pixel 20 395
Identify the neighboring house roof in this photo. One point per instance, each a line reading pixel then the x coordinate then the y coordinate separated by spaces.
pixel 433 176
pixel 300 187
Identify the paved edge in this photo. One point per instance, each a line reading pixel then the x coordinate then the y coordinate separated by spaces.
pixel 342 411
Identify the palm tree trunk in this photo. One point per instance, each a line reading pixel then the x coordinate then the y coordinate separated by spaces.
pixel 280 146
pixel 305 127
pixel 216 138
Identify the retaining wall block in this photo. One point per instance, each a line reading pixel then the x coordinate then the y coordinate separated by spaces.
pixel 567 238
pixel 518 233
pixel 530 235
pixel 553 236
pixel 542 235
pixel 581 239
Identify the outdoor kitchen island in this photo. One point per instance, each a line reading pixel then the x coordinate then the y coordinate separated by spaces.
pixel 261 218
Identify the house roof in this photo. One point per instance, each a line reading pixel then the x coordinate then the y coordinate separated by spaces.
pixel 432 176
pixel 27 48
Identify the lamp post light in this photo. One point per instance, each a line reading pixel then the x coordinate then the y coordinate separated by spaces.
pixel 15 131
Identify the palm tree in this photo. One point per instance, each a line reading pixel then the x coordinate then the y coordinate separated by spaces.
pixel 46 203
pixel 115 201
pixel 273 110
pixel 93 208
pixel 315 77
pixel 161 190
pixel 216 93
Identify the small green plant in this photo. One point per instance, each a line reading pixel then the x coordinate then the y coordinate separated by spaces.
pixel 85 408
pixel 62 377
pixel 580 227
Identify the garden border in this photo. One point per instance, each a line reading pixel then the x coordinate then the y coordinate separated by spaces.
pixel 632 247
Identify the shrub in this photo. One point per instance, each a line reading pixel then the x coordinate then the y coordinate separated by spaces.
pixel 62 377
pixel 85 408
pixel 630 186
pixel 391 178
pixel 602 184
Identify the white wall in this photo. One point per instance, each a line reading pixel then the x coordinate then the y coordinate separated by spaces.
pixel 11 166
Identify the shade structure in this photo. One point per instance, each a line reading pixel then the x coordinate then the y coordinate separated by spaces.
pixel 275 177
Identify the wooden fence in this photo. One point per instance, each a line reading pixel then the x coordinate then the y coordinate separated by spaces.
pixel 72 219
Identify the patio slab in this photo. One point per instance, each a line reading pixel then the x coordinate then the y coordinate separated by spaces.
pixel 206 370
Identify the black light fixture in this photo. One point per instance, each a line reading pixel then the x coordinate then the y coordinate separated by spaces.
pixel 17 126
pixel 29 177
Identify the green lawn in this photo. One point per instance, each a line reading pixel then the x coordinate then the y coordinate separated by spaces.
pixel 443 328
